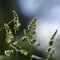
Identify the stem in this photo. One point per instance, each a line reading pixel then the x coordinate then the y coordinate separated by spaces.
pixel 10 22
pixel 15 50
pixel 13 47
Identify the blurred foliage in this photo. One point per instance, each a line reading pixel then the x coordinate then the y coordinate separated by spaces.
pixel 29 36
pixel 6 7
pixel 25 43
pixel 50 50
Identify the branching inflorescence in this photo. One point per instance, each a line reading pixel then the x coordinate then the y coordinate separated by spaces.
pixel 29 36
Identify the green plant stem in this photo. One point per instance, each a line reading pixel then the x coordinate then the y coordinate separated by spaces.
pixel 13 47
pixel 15 50
pixel 10 22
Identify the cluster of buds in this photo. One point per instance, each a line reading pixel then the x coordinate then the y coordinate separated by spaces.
pixel 16 22
pixel 9 34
